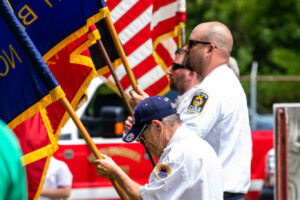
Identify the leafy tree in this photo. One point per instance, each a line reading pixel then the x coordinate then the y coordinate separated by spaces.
pixel 266 31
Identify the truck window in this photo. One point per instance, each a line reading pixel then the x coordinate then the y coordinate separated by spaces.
pixel 105 114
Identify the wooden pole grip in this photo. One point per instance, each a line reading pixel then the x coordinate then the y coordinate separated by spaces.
pixel 89 141
pixel 107 59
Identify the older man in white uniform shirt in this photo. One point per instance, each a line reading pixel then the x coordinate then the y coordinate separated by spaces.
pixel 188 167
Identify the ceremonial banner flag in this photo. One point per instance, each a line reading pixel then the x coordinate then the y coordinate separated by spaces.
pixel 38 145
pixel 26 83
pixel 59 30
pixel 148 30
pixel 73 69
pixel 54 24
pixel 100 30
pixel 27 87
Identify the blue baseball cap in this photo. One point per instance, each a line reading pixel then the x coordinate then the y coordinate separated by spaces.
pixel 149 109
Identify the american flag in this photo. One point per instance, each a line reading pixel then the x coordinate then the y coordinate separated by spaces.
pixel 148 30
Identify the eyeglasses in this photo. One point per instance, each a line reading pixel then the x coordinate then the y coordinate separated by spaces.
pixel 141 136
pixel 191 43
pixel 176 66
pixel 146 126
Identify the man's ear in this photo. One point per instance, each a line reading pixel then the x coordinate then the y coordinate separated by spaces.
pixel 210 47
pixel 157 124
pixel 158 127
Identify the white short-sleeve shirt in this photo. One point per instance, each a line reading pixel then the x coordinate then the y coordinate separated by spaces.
pixel 188 169
pixel 58 174
pixel 217 110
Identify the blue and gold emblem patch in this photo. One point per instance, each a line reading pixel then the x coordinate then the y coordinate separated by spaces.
pixel 162 171
pixel 198 102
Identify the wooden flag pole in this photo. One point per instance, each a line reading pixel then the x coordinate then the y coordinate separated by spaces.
pixel 89 141
pixel 112 71
pixel 121 53
pixel 129 72
pixel 181 37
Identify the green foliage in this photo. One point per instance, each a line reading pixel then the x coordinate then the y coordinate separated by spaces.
pixel 269 93
pixel 286 60
pixel 266 31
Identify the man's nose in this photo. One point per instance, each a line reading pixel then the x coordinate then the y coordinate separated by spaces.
pixel 186 48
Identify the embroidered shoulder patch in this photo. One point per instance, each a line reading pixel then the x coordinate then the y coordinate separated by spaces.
pixel 198 102
pixel 162 171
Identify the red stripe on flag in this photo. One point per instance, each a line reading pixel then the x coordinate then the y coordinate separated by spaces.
pixel 137 40
pixel 164 27
pixel 144 66
pixel 182 16
pixel 132 14
pixel 139 70
pixel 144 35
pixel 125 82
pixel 158 4
pixel 112 4
pixel 156 87
pixel 164 53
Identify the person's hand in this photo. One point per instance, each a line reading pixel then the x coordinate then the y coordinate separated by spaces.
pixel 106 167
pixel 128 124
pixel 137 96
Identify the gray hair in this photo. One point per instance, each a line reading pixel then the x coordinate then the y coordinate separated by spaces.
pixel 232 64
pixel 172 120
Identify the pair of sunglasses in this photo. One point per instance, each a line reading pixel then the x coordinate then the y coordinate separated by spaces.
pixel 192 43
pixel 176 66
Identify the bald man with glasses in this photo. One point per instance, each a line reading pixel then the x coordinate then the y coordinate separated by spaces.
pixel 188 167
pixel 217 107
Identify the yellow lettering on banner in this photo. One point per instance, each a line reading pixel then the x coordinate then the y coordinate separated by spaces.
pixel 49 4
pixel 12 58
pixel 28 16
pixel 6 65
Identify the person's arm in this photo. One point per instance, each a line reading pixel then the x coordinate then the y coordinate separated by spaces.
pixel 63 180
pixel 60 192
pixel 200 117
pixel 106 167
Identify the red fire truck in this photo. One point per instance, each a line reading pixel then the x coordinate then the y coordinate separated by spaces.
pixel 103 116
